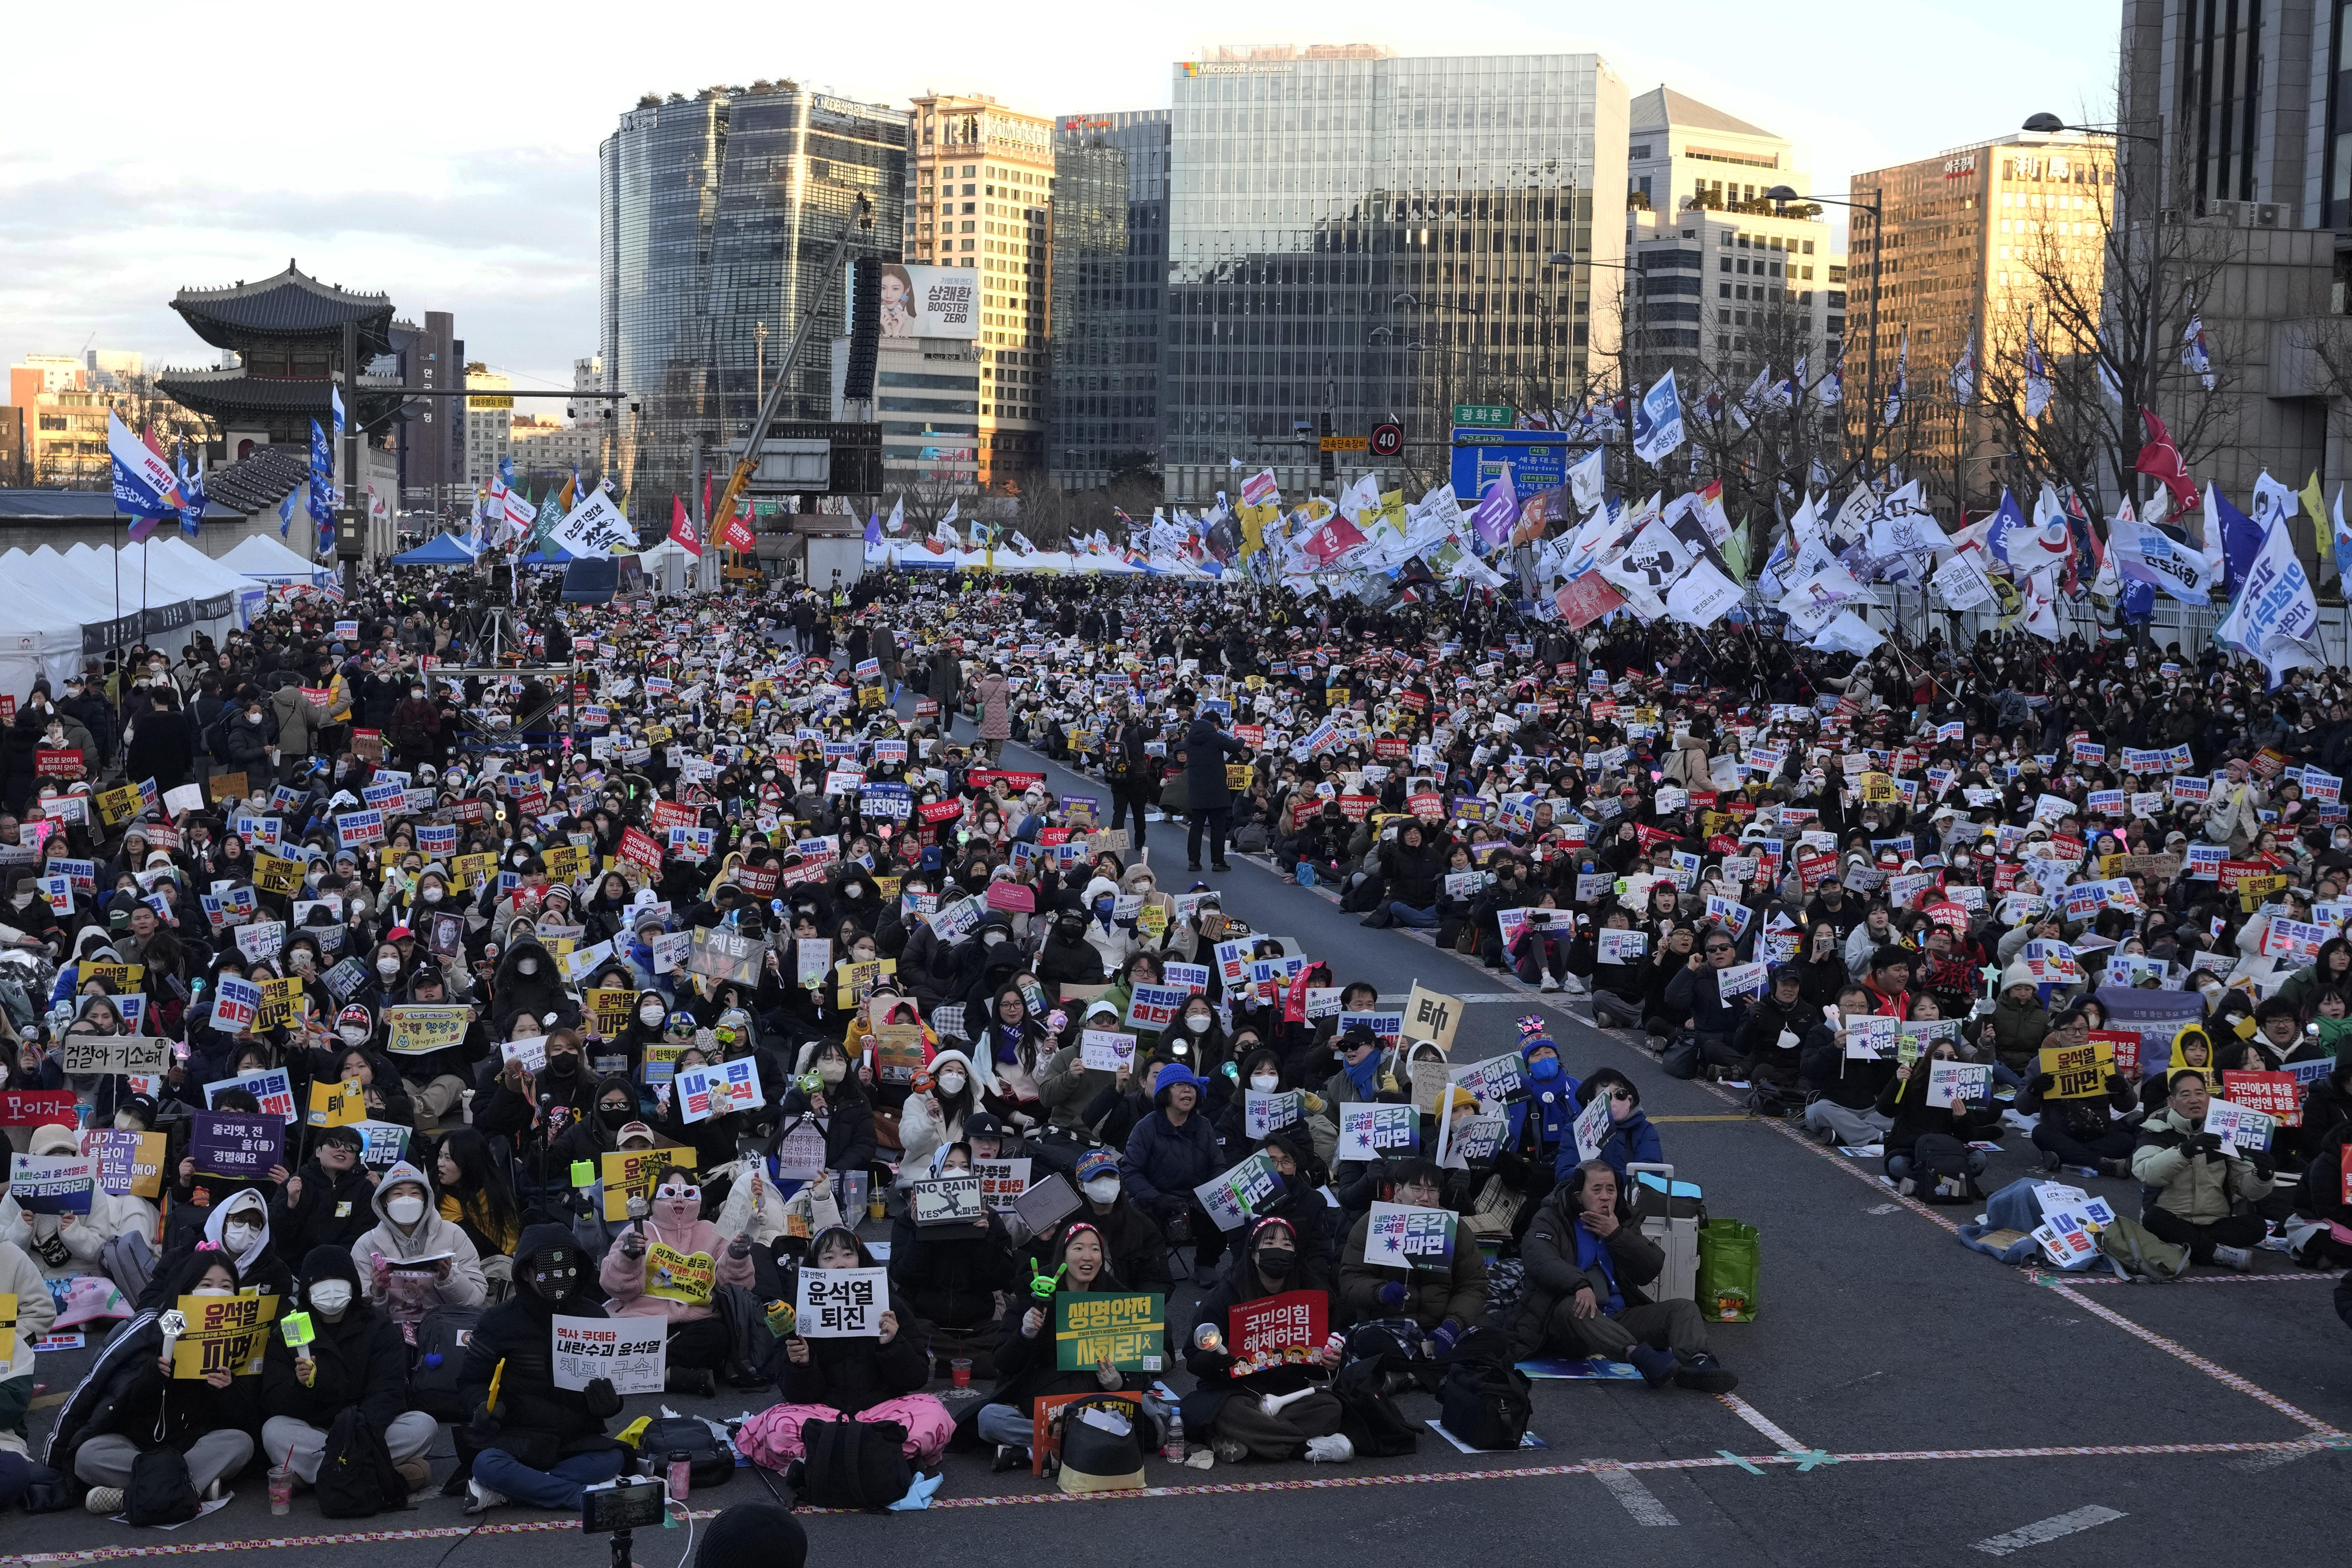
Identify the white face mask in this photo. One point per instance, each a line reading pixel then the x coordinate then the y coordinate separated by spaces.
pixel 210 1291
pixel 952 1083
pixel 406 1210
pixel 1264 1083
pixel 331 1296
pixel 387 965
pixel 832 1071
pixel 1103 1190
pixel 527 965
pixel 433 895
pixel 127 1123
pixel 1198 1022
pixel 237 1237
pixel 649 1015
pixel 352 1034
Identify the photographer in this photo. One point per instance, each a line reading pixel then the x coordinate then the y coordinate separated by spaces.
pixel 537 1443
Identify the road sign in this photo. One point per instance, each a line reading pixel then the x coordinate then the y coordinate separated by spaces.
pixel 1488 414
pixel 1387 440
pixel 1538 460
pixel 1343 443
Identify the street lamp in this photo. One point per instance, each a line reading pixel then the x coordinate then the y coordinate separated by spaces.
pixel 1875 207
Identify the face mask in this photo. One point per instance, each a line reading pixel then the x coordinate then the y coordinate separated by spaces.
pixel 649 1015
pixel 209 1291
pixel 127 1123
pixel 1103 1190
pixel 1264 1083
pixel 952 1083
pixel 527 965
pixel 252 718
pixel 993 938
pixel 237 1237
pixel 1275 1262
pixel 352 1034
pixel 21 900
pixel 855 890
pixel 1198 1022
pixel 406 1210
pixel 562 1063
pixel 331 1296
pixel 433 895
pixel 614 1116
pixel 552 1284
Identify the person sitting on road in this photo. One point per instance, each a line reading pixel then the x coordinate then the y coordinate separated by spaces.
pixel 1278 1412
pixel 356 1358
pixel 537 1445
pixel 2200 1191
pixel 640 1283
pixel 1630 1140
pixel 1445 1302
pixel 1025 1358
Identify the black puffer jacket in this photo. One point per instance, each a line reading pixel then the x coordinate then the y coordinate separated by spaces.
pixel 538 1422
pixel 539 993
pixel 362 1360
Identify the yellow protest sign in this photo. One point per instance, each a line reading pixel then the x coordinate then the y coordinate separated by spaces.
pixel 1237 776
pixel 2081 1071
pixel 224 1333
pixel 677 1276
pixel 609 1007
pixel 627 1173
pixel 281 1002
pixel 852 981
pixel 120 805
pixel 338 1104
pixel 418 1028
pixel 472 870
pixel 566 863
pixel 120 978
pixel 273 873
pixel 8 1327
pixel 1432 1015
pixel 1878 789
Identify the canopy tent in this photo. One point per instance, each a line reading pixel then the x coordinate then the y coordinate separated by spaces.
pixel 441 550
pixel 42 638
pixel 208 578
pixel 174 608
pixel 265 559
pixel 667 563
pixel 550 554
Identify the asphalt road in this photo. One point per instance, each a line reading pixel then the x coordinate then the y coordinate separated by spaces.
pixel 1903 1399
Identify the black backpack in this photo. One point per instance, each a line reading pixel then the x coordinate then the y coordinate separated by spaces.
pixel 1939 1170
pixel 440 1355
pixel 1369 1416
pixel 356 1479
pixel 1485 1402
pixel 851 1464
pixel 162 1491
pixel 710 1462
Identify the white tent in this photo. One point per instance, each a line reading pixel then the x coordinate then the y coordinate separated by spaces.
pixel 260 556
pixel 153 585
pixel 37 637
pixel 45 576
pixel 209 581
pixel 667 563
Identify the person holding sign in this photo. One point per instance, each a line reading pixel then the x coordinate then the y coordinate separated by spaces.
pixel 239 1227
pixel 36 1312
pixel 413 1260
pixel 844 1377
pixel 2201 1191
pixel 130 1402
pixel 1025 1354
pixel 668 1265
pixel 1904 1099
pixel 951 1278
pixel 1629 1139
pixel 1694 1001
pixel 1586 1262
pixel 1447 1299
pixel 1231 1403
pixel 2076 1129
pixel 527 1440
pixel 353 1358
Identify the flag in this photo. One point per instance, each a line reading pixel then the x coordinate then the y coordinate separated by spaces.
pixel 1735 550
pixel 2194 355
pixel 1658 423
pixel 2235 534
pixel 2037 374
pixel 1586 479
pixel 897 523
pixel 1784 392
pixel 1339 535
pixel 1831 390
pixel 286 514
pixel 2274 502
pixel 682 534
pixel 2159 459
pixel 873 528
pixel 192 492
pixel 2109 383
pixel 322 488
pixel 2341 535
pixel 2321 533
pixel 2026 547
pixel 2040 606
pixel 2277 611
pixel 1751 402
pixel 144 484
pixel 1497 509
pixel 335 402
pixel 1963 369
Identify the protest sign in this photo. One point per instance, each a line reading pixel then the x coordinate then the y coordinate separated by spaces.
pixel 234 1143
pixel 1373 1130
pixel 2239 1125
pixel 1002 1181
pixel 1232 1197
pixel 841 1303
pixel 2275 1095
pixel 1432 1015
pixel 2081 1071
pixel 222 1333
pixel 716 1089
pixel 1152 1008
pixel 1957 1080
pixel 79 1053
pixel 416 1029
pixel 1106 1050
pixel 1263 1112
pixel 273 1091
pixel 1277 1330
pixel 946 1201
pixel 130 1164
pixel 52 1184
pixel 676 1275
pixel 630 1352
pixel 1399 1236
pixel 632 1173
pixel 1128 1331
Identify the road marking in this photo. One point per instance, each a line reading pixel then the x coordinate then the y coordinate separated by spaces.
pixel 1762 1423
pixel 2221 1374
pixel 2256 1463
pixel 1702 1119
pixel 2050 1529
pixel 1478 996
pixel 1882 1209
pixel 1638 1500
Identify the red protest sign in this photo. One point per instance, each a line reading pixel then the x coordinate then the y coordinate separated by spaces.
pixel 981 778
pixel 639 850
pixel 1811 868
pixel 2125 1043
pixel 1012 897
pixel 1358 806
pixel 934 812
pixel 1289 1327
pixel 62 763
pixel 2273 1093
pixel 37 1108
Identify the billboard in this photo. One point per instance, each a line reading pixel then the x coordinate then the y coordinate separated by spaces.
pixel 929 301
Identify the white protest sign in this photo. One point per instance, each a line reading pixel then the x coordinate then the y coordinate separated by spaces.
pixel 842 1303
pixel 1106 1050
pixel 1967 1081
pixel 632 1352
pixel 1591 1129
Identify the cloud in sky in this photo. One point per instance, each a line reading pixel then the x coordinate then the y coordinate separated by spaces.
pixel 448 155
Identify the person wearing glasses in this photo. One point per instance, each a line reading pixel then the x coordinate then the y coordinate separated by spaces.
pixel 1696 1002
pixel 1631 1139
pixel 1445 1301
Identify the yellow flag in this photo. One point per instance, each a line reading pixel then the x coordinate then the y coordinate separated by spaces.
pixel 1392 510
pixel 2314 506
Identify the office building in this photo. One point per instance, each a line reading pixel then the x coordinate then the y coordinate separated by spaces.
pixel 1971 240
pixel 489 419
pixel 543 448
pixel 432 456
pixel 1109 293
pixel 1723 275
pixel 2247 114
pixel 716 216
pixel 980 195
pixel 1364 238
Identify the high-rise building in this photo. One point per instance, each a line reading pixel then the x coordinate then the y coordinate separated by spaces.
pixel 1722 274
pixel 716 216
pixel 1109 293
pixel 1970 240
pixel 1368 238
pixel 489 422
pixel 979 193
pixel 2237 119
pixel 432 461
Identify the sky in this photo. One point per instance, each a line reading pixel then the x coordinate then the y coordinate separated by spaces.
pixel 445 154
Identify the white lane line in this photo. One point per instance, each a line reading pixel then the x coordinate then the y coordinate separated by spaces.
pixel 1638 1500
pixel 2048 1529
pixel 2256 1463
pixel 1403 996
pixel 1761 1422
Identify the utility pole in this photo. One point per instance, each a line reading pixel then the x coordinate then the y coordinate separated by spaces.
pixel 350 544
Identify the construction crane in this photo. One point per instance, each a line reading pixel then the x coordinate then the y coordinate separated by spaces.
pixel 859 221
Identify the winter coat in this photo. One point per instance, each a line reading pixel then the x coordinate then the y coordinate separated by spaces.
pixel 408 1295
pixel 2202 1189
pixel 538 1422
pixel 336 1210
pixel 1548 1252
pixel 948 1281
pixel 1205 748
pixel 1760 1036
pixel 162 747
pixel 856 1374
pixel 1163 1158
pixel 1238 1286
pixel 362 1360
pixel 298 721
pixel 1457 1295
pixel 35 1311
pixel 2017 1031
pixel 993 694
pixel 675 1223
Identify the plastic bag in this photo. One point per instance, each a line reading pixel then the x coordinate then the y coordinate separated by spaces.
pixel 1728 1257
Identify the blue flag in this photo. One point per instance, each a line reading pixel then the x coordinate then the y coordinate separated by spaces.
pixel 323 487
pixel 1658 422
pixel 286 514
pixel 2242 540
pixel 191 494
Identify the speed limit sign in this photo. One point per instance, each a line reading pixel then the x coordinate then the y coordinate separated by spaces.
pixel 1387 440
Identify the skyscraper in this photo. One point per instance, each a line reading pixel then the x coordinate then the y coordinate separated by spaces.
pixel 716 216
pixel 980 195
pixel 1110 291
pixel 1366 236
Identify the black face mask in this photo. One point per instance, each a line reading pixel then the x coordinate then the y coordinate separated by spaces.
pixel 562 1064
pixel 616 1118
pixel 1276 1263
pixel 552 1282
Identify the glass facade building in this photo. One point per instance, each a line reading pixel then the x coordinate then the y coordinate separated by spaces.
pixel 717 215
pixel 1312 189
pixel 1109 292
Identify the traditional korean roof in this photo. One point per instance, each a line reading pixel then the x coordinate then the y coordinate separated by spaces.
pixel 290 305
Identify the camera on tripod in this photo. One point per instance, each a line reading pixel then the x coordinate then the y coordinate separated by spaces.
pixel 616 1508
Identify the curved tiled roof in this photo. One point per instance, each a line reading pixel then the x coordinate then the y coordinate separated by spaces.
pixel 290 305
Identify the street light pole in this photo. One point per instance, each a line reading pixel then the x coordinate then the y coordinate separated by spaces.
pixel 1875 207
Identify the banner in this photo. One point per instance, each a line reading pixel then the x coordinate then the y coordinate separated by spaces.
pixel 1399 1236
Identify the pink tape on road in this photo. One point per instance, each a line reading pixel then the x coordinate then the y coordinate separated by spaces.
pixel 2220 1374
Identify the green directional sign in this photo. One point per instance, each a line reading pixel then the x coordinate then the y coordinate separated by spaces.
pixel 1486 413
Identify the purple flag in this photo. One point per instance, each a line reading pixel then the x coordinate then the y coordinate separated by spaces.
pixel 1498 509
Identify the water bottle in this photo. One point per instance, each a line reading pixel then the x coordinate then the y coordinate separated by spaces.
pixel 682 1475
pixel 1174 1452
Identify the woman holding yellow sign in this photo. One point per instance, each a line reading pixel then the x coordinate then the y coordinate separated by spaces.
pixel 669 1265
